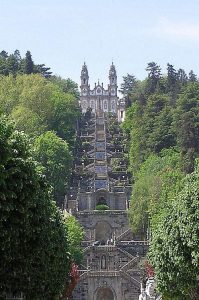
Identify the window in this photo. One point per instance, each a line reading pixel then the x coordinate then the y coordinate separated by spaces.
pixel 122 114
pixel 92 104
pixel 103 262
pixel 84 104
pixel 105 105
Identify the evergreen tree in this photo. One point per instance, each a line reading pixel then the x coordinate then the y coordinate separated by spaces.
pixel 192 76
pixel 172 78
pixel 12 64
pixel 182 76
pixel 28 63
pixel 42 69
pixel 17 56
pixel 128 87
pixel 4 54
pixel 3 63
pixel 154 75
pixel 186 125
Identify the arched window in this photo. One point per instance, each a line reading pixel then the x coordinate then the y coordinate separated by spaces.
pixel 105 104
pixel 84 80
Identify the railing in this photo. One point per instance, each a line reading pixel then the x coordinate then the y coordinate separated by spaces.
pixel 133 243
pixel 103 273
pixel 132 279
pixel 106 212
pixel 10 296
pixel 126 253
pixel 118 238
pixel 107 273
pixel 107 248
pixel 129 264
pixel 118 189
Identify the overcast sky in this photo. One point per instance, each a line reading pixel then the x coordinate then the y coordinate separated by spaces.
pixel 64 33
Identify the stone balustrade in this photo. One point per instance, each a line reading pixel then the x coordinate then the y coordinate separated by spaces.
pixel 102 212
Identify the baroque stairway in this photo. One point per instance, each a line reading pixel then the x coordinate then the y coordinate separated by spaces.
pixel 99 198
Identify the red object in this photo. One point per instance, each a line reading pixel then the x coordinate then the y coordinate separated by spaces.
pixel 74 276
pixel 149 270
pixel 74 273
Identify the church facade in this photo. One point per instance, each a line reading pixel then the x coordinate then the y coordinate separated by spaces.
pixel 99 97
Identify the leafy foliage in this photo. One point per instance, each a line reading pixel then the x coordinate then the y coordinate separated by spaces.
pixel 14 64
pixel 158 177
pixel 38 105
pixel 53 153
pixel 75 235
pixel 102 207
pixel 186 125
pixel 162 128
pixel 174 248
pixel 34 252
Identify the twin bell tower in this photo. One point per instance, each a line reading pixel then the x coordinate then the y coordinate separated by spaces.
pixel 100 98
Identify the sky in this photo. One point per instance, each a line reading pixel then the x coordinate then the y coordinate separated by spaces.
pixel 131 33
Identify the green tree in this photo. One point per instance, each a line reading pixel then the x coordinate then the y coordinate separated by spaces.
pixel 182 76
pixel 192 76
pixel 66 85
pixel 28 121
pixel 157 178
pixel 36 93
pixel 174 248
pixel 54 155
pixel 65 114
pixel 12 64
pixel 186 125
pixel 3 63
pixel 128 87
pixel 154 75
pixel 8 94
pixel 28 63
pixel 173 86
pixel 43 70
pixel 75 235
pixel 33 235
pixel 157 118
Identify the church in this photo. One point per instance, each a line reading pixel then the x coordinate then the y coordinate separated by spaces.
pixel 106 100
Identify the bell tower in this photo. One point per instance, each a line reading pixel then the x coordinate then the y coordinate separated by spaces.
pixel 84 80
pixel 112 76
pixel 113 88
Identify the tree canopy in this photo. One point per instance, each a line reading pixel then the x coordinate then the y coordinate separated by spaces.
pixel 14 64
pixel 34 254
pixel 162 127
pixel 54 155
